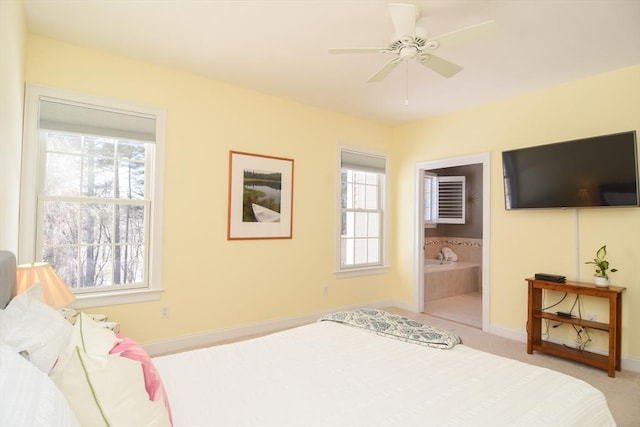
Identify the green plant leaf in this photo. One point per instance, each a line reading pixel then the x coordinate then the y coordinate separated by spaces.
pixel 602 252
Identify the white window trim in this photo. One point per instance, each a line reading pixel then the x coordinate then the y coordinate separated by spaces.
pixel 341 272
pixel 28 196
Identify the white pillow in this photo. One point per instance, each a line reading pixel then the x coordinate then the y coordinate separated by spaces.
pixel 103 388
pixel 29 397
pixel 35 329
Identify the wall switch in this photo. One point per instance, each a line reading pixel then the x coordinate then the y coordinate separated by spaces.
pixel 591 316
pixel 325 290
pixel 164 313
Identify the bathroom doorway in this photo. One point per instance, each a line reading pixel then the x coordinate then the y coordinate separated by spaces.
pixel 452 258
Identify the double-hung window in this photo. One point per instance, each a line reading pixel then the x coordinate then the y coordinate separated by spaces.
pixel 361 240
pixel 91 197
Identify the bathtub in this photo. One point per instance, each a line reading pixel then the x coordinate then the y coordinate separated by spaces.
pixel 438 265
pixel 444 279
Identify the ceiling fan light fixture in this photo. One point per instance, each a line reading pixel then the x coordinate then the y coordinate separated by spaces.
pixel 408 52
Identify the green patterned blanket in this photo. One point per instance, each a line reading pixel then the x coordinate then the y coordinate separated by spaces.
pixel 392 325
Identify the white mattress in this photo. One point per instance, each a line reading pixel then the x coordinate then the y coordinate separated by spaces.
pixel 329 374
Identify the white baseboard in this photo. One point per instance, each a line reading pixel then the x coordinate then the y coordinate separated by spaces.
pixel 210 338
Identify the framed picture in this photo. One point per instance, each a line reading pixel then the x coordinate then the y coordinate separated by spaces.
pixel 260 197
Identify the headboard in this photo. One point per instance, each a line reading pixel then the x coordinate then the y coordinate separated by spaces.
pixel 7 277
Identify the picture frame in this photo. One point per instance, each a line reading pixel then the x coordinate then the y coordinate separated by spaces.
pixel 260 197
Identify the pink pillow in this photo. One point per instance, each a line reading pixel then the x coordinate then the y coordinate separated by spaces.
pixel 105 386
pixel 152 382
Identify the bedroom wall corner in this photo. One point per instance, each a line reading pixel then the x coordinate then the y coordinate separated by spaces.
pixel 13 45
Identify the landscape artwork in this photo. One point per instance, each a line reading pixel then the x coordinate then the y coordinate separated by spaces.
pixel 260 196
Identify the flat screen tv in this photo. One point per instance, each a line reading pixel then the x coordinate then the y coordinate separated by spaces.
pixel 589 172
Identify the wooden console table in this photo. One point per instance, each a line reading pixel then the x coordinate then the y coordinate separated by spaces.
pixel 610 362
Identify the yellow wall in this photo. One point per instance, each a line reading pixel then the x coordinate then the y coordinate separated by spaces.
pixel 209 282
pixel 525 242
pixel 13 42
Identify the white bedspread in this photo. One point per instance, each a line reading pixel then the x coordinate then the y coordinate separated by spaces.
pixel 328 374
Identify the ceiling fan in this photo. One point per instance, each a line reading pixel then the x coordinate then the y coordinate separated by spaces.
pixel 411 42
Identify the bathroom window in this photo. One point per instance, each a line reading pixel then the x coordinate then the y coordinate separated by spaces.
pixel 92 189
pixel 361 236
pixel 444 200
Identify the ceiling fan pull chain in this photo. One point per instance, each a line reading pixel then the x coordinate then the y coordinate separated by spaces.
pixel 406 98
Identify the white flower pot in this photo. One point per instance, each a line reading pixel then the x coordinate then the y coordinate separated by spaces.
pixel 602 282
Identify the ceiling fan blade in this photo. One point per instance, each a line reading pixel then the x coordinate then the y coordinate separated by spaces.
pixel 472 33
pixel 359 50
pixel 384 72
pixel 404 17
pixel 439 65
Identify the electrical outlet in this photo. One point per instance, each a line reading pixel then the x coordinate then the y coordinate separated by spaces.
pixel 325 290
pixel 591 316
pixel 164 313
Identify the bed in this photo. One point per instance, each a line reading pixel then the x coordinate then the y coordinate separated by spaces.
pixel 363 368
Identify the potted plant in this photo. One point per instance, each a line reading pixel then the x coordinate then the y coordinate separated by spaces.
pixel 601 277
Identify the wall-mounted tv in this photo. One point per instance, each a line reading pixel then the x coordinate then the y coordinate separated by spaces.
pixel 589 172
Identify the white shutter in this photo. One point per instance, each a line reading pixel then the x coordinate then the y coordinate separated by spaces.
pixel 451 200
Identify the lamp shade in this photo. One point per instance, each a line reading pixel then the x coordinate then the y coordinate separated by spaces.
pixel 54 291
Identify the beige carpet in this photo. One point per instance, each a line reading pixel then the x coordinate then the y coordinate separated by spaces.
pixel 622 392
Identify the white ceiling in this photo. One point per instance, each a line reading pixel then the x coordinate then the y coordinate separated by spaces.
pixel 280 47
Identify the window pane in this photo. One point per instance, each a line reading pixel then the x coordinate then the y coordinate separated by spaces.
pixel 97 223
pixel 131 150
pixel 97 177
pixel 96 266
pixel 62 174
pixel 361 224
pixel 359 193
pixel 98 147
pixel 348 225
pixel 129 224
pixel 131 180
pixel 129 264
pixel 373 224
pixel 373 251
pixel 371 197
pixel 360 251
pixel 65 262
pixel 131 170
pixel 346 246
pixel 60 223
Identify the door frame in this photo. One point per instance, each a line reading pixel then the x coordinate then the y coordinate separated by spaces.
pixel 419 249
